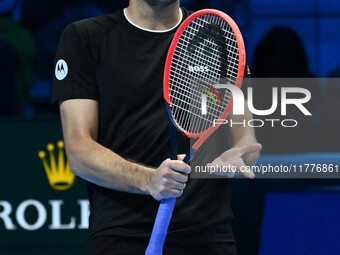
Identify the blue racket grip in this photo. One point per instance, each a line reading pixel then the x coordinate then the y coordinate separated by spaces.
pixel 161 226
pixel 162 221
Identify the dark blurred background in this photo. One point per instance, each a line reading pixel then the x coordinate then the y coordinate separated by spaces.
pixel 284 39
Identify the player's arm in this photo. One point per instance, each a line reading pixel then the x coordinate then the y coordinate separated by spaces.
pixel 97 164
pixel 245 149
pixel 245 136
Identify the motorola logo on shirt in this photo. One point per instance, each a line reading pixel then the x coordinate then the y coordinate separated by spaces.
pixel 61 70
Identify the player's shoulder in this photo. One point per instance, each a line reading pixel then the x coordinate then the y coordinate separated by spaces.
pixel 95 27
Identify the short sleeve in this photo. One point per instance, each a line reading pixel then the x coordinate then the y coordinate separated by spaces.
pixel 74 74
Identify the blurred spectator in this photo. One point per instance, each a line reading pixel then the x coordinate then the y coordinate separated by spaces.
pixel 280 54
pixel 22 44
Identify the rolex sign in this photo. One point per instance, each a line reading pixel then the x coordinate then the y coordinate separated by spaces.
pixel 43 205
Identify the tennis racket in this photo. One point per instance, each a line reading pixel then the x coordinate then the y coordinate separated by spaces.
pixel 206 51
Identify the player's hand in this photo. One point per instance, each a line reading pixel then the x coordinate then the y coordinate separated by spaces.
pixel 234 159
pixel 169 179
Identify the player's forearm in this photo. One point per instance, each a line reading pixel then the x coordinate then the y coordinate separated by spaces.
pixel 101 166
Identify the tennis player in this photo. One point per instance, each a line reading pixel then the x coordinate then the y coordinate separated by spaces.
pixel 108 82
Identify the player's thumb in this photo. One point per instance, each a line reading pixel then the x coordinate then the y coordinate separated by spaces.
pixel 181 156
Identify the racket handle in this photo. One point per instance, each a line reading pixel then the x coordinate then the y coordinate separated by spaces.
pixel 163 218
pixel 189 156
pixel 160 227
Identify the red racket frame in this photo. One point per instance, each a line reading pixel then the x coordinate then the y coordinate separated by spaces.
pixel 166 81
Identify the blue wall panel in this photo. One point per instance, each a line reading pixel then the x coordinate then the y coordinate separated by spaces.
pixel 301 223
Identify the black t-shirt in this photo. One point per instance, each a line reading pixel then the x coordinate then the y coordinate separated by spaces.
pixel 109 60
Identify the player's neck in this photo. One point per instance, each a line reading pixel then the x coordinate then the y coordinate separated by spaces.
pixel 157 16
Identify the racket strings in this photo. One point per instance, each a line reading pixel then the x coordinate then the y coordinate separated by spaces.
pixel 212 58
pixel 184 95
pixel 231 43
pixel 208 79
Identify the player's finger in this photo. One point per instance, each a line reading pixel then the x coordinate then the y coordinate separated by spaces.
pixel 224 171
pixel 171 193
pixel 248 174
pixel 179 177
pixel 180 166
pixel 252 148
pixel 178 185
pixel 176 193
